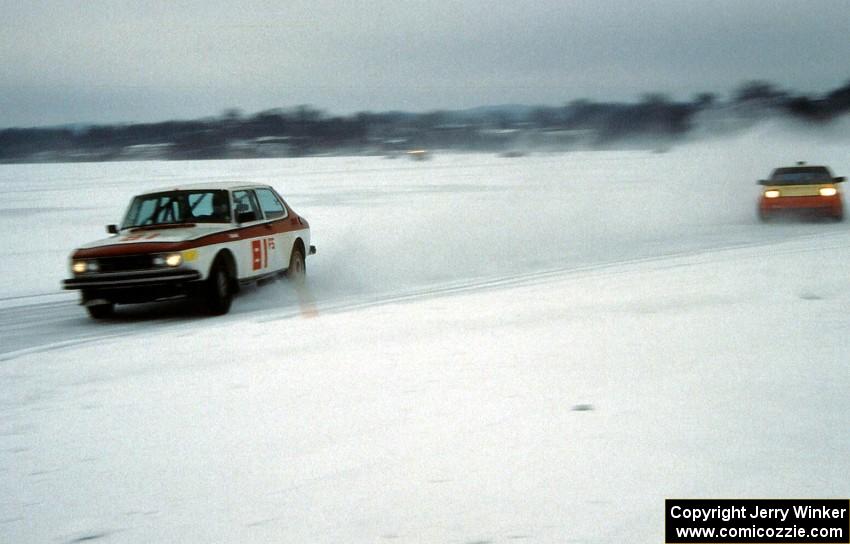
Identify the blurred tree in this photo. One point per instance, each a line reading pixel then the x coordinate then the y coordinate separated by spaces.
pixel 758 91
pixel 838 101
pixel 545 117
pixel 704 101
pixel 232 115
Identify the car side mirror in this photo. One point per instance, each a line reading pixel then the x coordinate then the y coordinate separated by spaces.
pixel 761 182
pixel 839 179
pixel 112 229
pixel 245 217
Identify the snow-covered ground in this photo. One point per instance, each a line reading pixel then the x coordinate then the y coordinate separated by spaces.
pixel 535 349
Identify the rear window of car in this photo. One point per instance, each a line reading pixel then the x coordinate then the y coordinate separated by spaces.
pixel 801 175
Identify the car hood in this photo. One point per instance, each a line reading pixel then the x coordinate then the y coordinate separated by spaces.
pixel 163 235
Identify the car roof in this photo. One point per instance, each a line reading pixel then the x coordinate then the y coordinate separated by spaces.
pixel 209 186
pixel 811 169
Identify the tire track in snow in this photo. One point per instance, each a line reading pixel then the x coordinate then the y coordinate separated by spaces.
pixel 657 262
pixel 48 326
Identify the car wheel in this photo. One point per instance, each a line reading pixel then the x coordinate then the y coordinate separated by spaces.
pixel 218 293
pixel 764 217
pixel 297 267
pixel 100 311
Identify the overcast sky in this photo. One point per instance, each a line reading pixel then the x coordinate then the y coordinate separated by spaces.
pixel 66 61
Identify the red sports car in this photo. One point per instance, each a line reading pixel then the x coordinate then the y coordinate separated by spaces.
pixel 801 188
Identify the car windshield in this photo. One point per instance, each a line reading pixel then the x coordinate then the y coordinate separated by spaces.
pixel 178 207
pixel 801 175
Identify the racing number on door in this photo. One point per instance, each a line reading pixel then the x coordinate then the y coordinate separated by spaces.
pixel 260 252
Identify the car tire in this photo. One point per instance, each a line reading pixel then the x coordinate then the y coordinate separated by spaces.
pixel 764 217
pixel 218 291
pixel 297 266
pixel 101 311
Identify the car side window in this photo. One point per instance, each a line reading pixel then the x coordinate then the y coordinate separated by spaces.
pixel 245 204
pixel 209 206
pixel 270 204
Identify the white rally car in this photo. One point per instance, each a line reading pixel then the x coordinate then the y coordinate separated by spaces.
pixel 200 240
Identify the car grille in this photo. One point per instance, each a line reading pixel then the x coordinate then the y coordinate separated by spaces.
pixel 125 263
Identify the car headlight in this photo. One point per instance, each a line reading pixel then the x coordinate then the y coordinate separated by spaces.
pixel 828 191
pixel 81 267
pixel 771 193
pixel 168 259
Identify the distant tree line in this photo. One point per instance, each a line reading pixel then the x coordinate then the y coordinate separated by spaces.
pixel 305 130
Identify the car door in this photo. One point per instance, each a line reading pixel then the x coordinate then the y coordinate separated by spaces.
pixel 276 213
pixel 256 239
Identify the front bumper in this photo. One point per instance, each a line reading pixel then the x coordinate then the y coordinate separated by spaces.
pixel 127 280
pixel 826 204
pixel 136 286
